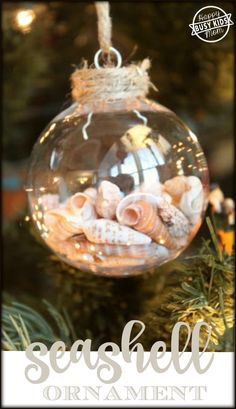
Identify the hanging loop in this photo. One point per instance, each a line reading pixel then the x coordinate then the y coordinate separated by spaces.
pixel 114 51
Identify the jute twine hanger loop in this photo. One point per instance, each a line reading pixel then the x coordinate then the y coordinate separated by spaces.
pixel 109 82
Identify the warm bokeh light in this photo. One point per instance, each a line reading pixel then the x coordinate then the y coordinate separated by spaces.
pixel 24 19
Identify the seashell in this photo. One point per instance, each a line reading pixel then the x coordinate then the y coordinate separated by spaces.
pixel 167 197
pixel 50 201
pixel 68 249
pixel 108 231
pixel 176 222
pixel 142 215
pixel 121 262
pixel 85 257
pixel 176 187
pixel 135 251
pixel 91 192
pixel 61 224
pixel 67 220
pixel 191 202
pixel 132 198
pixel 81 206
pixel 62 246
pixel 109 195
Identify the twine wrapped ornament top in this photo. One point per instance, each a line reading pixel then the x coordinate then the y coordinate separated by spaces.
pixel 109 83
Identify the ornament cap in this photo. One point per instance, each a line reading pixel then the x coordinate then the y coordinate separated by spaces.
pixel 111 83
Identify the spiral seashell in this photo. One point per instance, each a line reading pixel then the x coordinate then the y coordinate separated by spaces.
pixel 108 231
pixel 81 205
pixel 192 201
pixel 67 220
pixel 175 221
pixel 61 224
pixel 142 215
pixel 109 195
pixel 135 251
pixel 132 198
pixel 176 187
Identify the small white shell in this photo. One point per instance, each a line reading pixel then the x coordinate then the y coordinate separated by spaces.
pixel 67 220
pixel 177 223
pixel 191 202
pixel 109 195
pixel 81 205
pixel 109 250
pixel 111 232
pixel 61 224
pixel 91 192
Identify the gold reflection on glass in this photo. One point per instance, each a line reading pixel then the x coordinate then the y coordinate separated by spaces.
pixel 45 135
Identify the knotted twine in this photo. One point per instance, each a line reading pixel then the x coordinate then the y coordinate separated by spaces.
pixel 109 83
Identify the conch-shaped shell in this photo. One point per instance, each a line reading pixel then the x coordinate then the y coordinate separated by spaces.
pixel 109 195
pixel 67 220
pixel 101 250
pixel 61 224
pixel 176 187
pixel 176 222
pixel 81 205
pixel 132 198
pixel 108 231
pixel 191 202
pixel 142 215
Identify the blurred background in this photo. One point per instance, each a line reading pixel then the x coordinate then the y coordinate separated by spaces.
pixel 44 41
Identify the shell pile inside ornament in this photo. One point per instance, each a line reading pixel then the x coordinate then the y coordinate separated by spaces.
pixel 108 227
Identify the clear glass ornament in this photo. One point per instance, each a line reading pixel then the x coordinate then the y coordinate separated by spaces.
pixel 116 188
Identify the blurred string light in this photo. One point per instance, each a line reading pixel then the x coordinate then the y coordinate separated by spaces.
pixel 24 20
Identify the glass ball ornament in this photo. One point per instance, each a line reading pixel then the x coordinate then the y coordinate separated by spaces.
pixel 117 188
